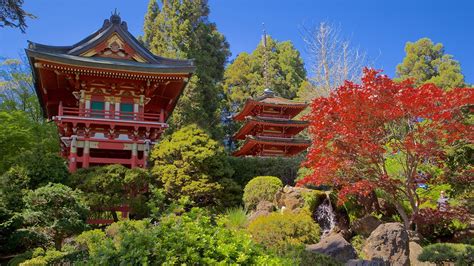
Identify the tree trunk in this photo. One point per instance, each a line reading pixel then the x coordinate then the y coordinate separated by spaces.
pixel 403 214
pixel 58 242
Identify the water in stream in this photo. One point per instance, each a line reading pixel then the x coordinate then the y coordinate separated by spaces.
pixel 325 217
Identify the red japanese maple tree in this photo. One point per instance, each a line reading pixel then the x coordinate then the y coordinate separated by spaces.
pixel 360 128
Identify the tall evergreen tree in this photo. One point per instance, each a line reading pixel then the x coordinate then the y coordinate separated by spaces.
pixel 244 78
pixel 426 62
pixel 181 29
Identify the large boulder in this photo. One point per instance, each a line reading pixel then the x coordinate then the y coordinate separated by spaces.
pixel 335 246
pixel 388 243
pixel 415 251
pixel 290 197
pixel 366 263
pixel 263 208
pixel 365 225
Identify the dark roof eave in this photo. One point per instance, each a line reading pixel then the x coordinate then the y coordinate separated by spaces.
pixel 112 64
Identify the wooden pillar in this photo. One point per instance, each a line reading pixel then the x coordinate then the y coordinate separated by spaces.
pixel 73 154
pixel 162 115
pixel 134 155
pixel 146 152
pixel 85 154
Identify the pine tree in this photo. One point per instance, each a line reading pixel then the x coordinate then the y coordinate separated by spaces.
pixel 426 62
pixel 181 29
pixel 244 78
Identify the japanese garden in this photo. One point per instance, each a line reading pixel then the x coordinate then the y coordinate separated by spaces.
pixel 161 147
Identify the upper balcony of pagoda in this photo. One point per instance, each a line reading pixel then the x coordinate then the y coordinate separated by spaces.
pixel 270 127
pixel 110 117
pixel 270 106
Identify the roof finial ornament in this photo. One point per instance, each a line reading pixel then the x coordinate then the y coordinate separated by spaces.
pixel 265 60
pixel 115 17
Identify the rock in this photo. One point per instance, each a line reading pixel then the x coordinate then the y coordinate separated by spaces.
pixel 263 208
pixel 253 215
pixel 388 243
pixel 366 263
pixel 366 225
pixel 290 197
pixel 335 246
pixel 414 236
pixel 415 250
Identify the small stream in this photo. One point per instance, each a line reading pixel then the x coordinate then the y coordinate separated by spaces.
pixel 325 217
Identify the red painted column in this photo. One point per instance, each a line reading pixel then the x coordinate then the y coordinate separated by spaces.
pixel 73 154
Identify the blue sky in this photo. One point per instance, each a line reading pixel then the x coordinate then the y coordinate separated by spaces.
pixel 381 28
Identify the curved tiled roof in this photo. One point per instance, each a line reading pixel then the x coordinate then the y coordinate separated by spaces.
pixel 109 27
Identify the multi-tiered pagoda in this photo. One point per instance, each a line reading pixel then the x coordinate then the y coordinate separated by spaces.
pixel 269 128
pixel 108 94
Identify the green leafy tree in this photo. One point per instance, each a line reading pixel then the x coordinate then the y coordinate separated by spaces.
pixel 181 29
pixel 244 77
pixel 112 186
pixel 189 163
pixel 55 212
pixel 426 62
pixel 17 92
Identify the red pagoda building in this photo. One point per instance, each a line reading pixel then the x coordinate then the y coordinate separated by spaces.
pixel 269 128
pixel 108 94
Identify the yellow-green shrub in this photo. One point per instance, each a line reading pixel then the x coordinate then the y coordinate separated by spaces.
pixel 261 188
pixel 279 231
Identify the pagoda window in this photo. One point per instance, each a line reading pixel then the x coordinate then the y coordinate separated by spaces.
pixel 97 109
pixel 126 111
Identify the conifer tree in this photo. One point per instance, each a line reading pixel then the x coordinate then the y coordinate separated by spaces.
pixel 244 78
pixel 181 29
pixel 426 62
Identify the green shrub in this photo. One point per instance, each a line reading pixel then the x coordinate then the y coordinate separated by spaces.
pixel 358 242
pixel 261 188
pixel 280 231
pixel 460 254
pixel 298 255
pixel 191 238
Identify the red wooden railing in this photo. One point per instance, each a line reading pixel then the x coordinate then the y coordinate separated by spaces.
pixel 108 114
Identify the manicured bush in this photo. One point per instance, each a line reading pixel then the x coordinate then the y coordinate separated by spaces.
pixel 261 188
pixel 281 231
pixel 460 254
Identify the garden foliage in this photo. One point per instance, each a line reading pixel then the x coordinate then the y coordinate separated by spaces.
pixel 280 232
pixel 439 253
pixel 261 188
pixel 190 163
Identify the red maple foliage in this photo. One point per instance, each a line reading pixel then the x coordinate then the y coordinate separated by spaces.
pixel 359 127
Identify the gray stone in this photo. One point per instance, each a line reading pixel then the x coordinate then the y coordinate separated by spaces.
pixel 389 243
pixel 335 246
pixel 265 206
pixel 366 263
pixel 366 225
pixel 290 197
pixel 415 250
